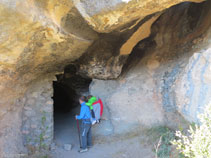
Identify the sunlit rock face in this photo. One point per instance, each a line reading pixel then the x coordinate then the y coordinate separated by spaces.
pixel 38 38
pixel 105 15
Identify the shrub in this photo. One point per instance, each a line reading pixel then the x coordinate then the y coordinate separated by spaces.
pixel 197 143
pixel 163 136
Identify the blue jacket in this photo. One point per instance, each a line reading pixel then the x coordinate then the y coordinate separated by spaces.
pixel 85 112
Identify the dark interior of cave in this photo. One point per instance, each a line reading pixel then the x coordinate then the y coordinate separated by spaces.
pixel 67 90
pixel 63 98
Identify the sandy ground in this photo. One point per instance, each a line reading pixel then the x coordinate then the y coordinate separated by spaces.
pixel 109 147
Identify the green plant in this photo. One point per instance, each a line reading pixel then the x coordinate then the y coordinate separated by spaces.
pixel 163 136
pixel 43 119
pixel 197 143
pixel 165 145
pixel 44 156
pixel 28 139
pixel 43 128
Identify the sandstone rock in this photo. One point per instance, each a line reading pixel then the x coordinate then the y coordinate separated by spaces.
pixel 25 132
pixel 39 38
pixel 153 64
pixel 105 16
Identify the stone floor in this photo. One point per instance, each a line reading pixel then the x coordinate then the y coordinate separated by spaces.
pixel 66 133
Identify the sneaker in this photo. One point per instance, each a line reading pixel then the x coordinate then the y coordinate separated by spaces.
pixel 83 150
pixel 93 122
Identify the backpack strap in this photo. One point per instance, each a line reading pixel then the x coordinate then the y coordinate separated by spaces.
pixel 101 107
pixel 96 102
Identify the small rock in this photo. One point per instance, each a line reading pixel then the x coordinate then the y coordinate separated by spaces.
pixel 50 102
pixel 53 146
pixel 33 126
pixel 67 147
pixel 25 132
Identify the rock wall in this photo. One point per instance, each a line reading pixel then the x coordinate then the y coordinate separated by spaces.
pixel 37 116
pixel 167 76
pixel 193 87
pixel 39 38
pixel 30 122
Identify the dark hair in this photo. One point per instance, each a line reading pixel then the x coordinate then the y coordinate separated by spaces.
pixel 89 97
pixel 82 98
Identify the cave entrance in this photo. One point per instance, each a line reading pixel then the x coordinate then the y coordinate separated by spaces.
pixel 67 90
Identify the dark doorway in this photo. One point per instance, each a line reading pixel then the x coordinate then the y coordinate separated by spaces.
pixel 63 98
pixel 67 90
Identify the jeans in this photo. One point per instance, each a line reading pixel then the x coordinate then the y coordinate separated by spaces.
pixel 86 135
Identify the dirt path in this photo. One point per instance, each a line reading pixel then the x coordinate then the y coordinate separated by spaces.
pixel 66 133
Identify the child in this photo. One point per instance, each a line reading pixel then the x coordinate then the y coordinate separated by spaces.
pixel 98 109
pixel 91 100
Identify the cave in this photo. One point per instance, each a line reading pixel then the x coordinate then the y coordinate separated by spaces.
pixel 67 90
pixel 148 62
pixel 62 100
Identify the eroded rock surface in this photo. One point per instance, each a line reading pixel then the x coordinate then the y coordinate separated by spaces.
pixel 39 38
pixel 105 15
